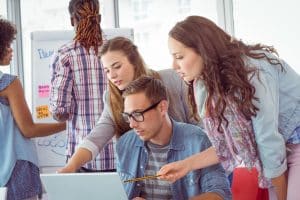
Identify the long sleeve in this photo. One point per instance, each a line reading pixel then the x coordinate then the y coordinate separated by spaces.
pixel 270 142
pixel 61 86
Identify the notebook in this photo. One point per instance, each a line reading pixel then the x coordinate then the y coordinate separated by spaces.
pixel 81 186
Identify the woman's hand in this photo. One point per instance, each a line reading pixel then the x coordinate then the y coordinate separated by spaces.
pixel 67 169
pixel 174 171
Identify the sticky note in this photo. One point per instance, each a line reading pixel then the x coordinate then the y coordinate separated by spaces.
pixel 43 91
pixel 42 111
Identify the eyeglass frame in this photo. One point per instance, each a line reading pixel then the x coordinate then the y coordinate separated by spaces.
pixel 126 116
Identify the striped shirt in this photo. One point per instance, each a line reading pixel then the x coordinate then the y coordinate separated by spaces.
pixel 154 188
pixel 77 86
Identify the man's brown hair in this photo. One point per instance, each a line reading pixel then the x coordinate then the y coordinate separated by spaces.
pixel 153 88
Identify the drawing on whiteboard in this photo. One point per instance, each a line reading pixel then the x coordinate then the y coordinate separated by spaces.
pixel 56 144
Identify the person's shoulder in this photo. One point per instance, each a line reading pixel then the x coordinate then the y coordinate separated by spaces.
pixel 191 136
pixel 67 47
pixel 170 78
pixel 6 80
pixel 188 130
pixel 128 139
pixel 167 73
pixel 260 63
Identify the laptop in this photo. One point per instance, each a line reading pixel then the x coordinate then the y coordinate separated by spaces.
pixel 81 186
pixel 3 191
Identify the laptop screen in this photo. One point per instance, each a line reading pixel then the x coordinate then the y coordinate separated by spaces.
pixel 80 186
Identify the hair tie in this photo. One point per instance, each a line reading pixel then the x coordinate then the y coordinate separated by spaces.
pixel 91 16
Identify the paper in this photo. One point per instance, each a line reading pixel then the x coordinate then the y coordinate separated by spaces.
pixel 42 112
pixel 43 91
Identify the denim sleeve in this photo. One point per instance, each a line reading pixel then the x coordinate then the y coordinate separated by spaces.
pixel 214 179
pixel 61 86
pixel 270 142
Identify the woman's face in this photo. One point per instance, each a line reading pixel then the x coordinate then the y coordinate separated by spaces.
pixel 8 56
pixel 118 69
pixel 186 62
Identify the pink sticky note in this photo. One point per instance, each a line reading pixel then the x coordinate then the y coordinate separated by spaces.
pixel 43 91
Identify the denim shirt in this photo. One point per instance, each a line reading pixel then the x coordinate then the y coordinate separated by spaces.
pixel 186 140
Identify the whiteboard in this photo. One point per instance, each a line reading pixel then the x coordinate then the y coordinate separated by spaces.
pixel 52 149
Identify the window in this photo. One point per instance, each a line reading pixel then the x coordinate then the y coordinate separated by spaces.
pixel 184 6
pixel 151 30
pixel 38 16
pixel 276 26
pixel 3 8
pixel 140 9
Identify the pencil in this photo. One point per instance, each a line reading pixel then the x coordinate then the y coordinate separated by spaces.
pixel 142 178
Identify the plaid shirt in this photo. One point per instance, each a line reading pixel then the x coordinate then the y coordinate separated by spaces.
pixel 77 86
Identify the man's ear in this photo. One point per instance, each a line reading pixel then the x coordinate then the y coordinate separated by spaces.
pixel 164 106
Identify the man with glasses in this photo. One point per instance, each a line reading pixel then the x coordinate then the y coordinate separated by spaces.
pixel 156 140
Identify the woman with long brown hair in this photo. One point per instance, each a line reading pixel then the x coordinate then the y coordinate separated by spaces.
pixel 247 99
pixel 123 64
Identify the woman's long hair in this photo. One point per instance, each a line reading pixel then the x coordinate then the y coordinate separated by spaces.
pixel 225 73
pixel 116 100
pixel 88 30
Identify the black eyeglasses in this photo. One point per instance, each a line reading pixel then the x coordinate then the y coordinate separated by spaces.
pixel 138 116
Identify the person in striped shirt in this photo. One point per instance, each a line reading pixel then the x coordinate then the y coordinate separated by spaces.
pixel 155 140
pixel 78 81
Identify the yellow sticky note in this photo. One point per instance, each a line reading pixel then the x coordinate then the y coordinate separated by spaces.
pixel 42 111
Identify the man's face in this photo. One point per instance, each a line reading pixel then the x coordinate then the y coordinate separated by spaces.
pixel 149 128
